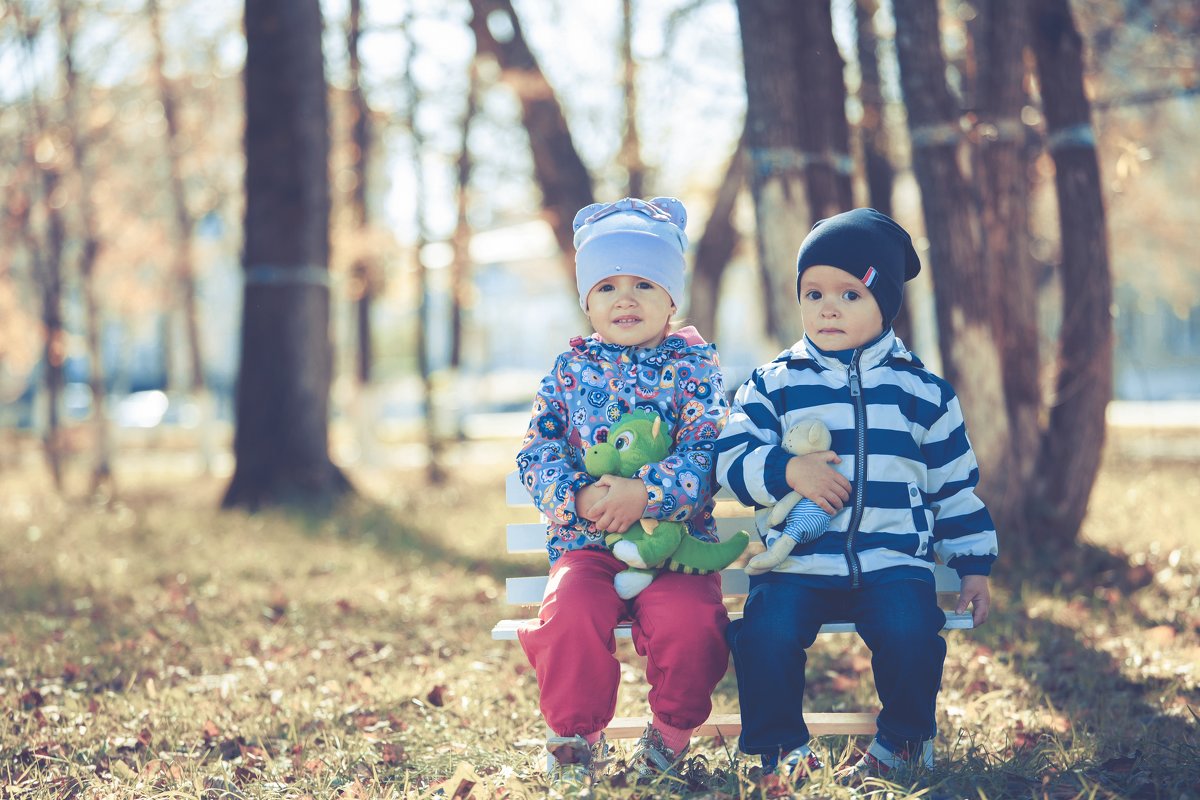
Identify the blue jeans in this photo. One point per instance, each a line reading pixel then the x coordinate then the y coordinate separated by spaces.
pixel 900 622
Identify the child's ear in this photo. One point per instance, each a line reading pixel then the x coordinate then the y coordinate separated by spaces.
pixel 674 209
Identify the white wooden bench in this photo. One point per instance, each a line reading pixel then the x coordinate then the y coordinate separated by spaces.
pixel 530 537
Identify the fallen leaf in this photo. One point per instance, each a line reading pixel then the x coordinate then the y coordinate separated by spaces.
pixel 437 696
pixel 123 771
pixel 210 730
pixel 1161 634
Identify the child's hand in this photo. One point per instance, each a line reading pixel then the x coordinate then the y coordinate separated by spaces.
pixel 975 593
pixel 624 504
pixel 586 499
pixel 811 476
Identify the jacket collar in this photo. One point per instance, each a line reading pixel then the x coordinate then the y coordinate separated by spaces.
pixel 881 350
pixel 677 344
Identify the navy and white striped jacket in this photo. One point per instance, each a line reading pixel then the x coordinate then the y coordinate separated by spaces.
pixel 899 431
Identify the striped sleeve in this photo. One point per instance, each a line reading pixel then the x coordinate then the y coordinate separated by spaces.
pixel 751 461
pixel 964 536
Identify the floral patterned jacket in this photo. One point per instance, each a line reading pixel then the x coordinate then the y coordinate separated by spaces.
pixel 590 387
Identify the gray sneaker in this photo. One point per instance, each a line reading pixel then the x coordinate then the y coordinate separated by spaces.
pixel 653 761
pixel 573 762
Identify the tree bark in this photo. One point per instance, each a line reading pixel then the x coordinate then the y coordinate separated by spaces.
pixel 970 356
pixel 102 472
pixel 872 130
pixel 364 272
pixel 282 437
pixel 631 148
pixel 824 133
pixel 771 36
pixel 558 169
pixel 185 270
pixel 1001 33
pixel 1074 439
pixel 716 246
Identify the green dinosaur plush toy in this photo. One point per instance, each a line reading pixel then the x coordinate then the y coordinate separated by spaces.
pixel 638 439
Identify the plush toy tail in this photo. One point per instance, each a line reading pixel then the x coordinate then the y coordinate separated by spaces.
pixel 695 557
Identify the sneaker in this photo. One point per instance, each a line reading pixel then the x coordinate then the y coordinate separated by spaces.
pixel 801 764
pixel 652 760
pixel 573 762
pixel 879 761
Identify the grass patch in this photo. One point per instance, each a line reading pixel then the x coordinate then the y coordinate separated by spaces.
pixel 159 647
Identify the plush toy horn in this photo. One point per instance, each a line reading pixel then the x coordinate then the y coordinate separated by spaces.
pixel 657 427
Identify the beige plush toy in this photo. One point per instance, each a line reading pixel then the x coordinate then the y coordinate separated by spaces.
pixel 804 437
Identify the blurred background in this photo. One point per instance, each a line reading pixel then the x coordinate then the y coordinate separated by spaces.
pixel 462 136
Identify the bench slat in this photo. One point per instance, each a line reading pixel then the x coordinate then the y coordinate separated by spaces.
pixel 734 583
pixel 820 723
pixel 506 629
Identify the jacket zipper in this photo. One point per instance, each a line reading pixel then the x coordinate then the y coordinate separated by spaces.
pixel 860 469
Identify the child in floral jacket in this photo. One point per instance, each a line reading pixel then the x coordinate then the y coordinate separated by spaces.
pixel 629 270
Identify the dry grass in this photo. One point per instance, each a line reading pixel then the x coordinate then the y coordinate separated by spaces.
pixel 157 647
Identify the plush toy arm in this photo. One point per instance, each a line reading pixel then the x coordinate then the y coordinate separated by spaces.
pixel 780 510
pixel 772 558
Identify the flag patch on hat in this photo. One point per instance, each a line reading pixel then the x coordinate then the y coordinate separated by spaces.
pixel 870 277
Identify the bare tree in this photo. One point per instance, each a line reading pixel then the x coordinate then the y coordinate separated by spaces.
pixel 44 157
pixel 429 382
pixel 77 134
pixel 630 156
pixel 282 437
pixel 558 169
pixel 183 273
pixel 824 133
pixel 716 245
pixel 771 33
pixel 872 131
pixel 970 356
pixel 1000 34
pixel 1073 440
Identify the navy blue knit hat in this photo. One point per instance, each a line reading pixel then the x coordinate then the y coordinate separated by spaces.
pixel 870 246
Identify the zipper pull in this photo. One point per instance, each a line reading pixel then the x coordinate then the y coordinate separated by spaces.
pixel 855 385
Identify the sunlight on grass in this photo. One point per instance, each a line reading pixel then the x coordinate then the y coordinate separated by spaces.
pixel 157 647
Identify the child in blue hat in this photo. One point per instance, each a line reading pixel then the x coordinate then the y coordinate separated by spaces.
pixel 629 268
pixel 901 441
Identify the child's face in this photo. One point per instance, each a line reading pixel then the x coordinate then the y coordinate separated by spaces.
pixel 630 311
pixel 838 311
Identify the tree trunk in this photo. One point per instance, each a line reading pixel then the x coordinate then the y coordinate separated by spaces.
pixel 1072 443
pixel 559 171
pixel 54 349
pixel 461 266
pixel 631 148
pixel 76 131
pixel 1000 34
pixel 970 356
pixel 872 131
pixel 824 133
pixel 184 272
pixel 363 270
pixel 771 36
pixel 282 437
pixel 716 246
pixel 431 409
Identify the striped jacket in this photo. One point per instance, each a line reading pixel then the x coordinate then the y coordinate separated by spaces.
pixel 590 387
pixel 900 434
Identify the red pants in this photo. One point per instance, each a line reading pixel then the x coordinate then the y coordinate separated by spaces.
pixel 678 626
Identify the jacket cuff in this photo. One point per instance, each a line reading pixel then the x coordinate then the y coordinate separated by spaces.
pixel 972 565
pixel 775 472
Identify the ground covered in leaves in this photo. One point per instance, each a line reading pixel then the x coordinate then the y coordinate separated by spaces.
pixel 154 646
